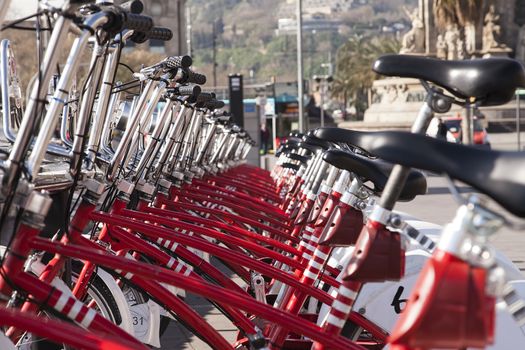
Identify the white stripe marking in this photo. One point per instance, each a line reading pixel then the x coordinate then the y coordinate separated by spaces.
pixel 320 254
pixel 336 321
pixel 170 263
pixel 73 313
pixel 339 306
pixel 346 292
pixel 88 318
pixel 310 274
pixel 61 302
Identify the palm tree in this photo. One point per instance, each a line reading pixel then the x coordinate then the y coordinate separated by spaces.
pixel 354 76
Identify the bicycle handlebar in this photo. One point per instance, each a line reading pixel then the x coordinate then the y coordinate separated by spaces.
pixel 156 33
pixel 119 19
pixel 204 97
pixel 133 6
pixel 195 78
pixel 174 62
pixel 137 22
pixel 188 90
pixel 214 104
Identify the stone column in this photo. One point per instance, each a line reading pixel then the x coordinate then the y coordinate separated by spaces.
pixel 430 28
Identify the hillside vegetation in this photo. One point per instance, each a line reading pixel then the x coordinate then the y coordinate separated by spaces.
pixel 246 40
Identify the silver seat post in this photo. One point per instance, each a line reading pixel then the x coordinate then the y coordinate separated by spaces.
pixel 311 165
pixel 182 146
pixel 238 150
pixel 308 179
pixel 176 127
pixel 205 148
pixel 6 87
pixel 132 125
pixel 230 144
pixel 86 108
pixel 221 141
pixel 399 174
pixel 37 96
pixel 206 136
pixel 177 140
pixel 190 140
pixel 62 92
pixel 146 157
pixel 233 152
pixel 104 97
pixel 246 150
pixel 110 122
pixel 205 132
pixel 69 115
pixel 145 120
pixel 153 163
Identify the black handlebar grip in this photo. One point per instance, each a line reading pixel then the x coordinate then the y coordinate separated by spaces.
pixel 214 104
pixel 139 23
pixel 157 33
pixel 188 90
pixel 204 97
pixel 174 62
pixel 191 99
pixel 133 6
pixel 139 37
pixel 196 78
pixel 224 118
pixel 161 33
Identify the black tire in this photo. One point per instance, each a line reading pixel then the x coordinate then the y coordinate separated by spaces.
pixel 100 292
pixel 106 305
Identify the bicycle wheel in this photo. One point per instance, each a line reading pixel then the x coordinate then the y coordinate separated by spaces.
pixel 104 303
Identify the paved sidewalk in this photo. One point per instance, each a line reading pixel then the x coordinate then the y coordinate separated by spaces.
pixel 177 337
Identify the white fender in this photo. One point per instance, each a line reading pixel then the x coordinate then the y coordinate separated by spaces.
pixel 377 300
pixel 508 335
pixel 146 322
pixel 433 231
pixel 145 319
pixel 37 268
pixel 5 343
pixel 120 299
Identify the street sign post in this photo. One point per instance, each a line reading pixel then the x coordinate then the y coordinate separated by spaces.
pixel 236 98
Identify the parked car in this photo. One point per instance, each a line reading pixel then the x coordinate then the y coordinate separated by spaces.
pixel 480 133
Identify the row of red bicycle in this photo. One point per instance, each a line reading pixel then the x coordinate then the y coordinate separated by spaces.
pixel 114 196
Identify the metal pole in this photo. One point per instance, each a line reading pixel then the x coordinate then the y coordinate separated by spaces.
pixel 322 103
pixel 189 47
pixel 300 64
pixel 466 125
pixel 214 33
pixel 518 118
pixel 274 132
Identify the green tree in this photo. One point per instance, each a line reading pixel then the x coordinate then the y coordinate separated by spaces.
pixel 354 76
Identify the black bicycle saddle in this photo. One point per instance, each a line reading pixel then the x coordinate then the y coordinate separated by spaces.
pixel 311 139
pixel 498 174
pixel 377 172
pixel 338 135
pixel 489 81
pixel 295 156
